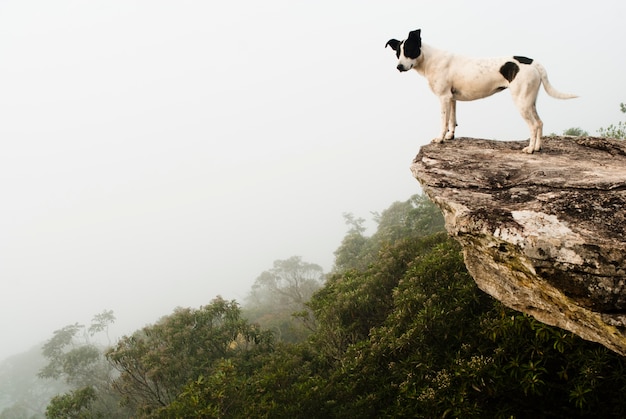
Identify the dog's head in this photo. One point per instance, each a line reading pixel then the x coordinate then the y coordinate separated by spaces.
pixel 407 51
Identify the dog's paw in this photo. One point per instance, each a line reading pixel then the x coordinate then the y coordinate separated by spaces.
pixel 449 136
pixel 437 140
pixel 528 150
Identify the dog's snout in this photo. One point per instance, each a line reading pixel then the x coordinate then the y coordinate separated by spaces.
pixel 401 67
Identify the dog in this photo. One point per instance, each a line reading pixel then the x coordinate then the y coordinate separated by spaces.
pixel 453 77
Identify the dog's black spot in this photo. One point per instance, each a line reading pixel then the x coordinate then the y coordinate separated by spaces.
pixel 523 60
pixel 413 44
pixel 509 70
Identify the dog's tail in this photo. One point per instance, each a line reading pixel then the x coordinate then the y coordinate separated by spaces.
pixel 546 84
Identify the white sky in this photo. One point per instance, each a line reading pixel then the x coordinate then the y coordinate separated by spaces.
pixel 155 154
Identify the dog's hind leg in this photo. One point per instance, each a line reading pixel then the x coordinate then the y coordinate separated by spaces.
pixel 446 113
pixel 538 130
pixel 535 126
pixel 525 97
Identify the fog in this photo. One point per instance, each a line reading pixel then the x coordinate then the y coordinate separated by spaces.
pixel 157 154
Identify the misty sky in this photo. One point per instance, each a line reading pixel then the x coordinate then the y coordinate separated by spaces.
pixel 156 154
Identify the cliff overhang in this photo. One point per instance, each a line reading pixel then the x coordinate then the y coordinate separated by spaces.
pixel 543 233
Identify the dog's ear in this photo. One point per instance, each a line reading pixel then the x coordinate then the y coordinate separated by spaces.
pixel 393 43
pixel 416 35
pixel 413 44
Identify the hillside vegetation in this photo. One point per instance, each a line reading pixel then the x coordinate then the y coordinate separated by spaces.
pixel 398 329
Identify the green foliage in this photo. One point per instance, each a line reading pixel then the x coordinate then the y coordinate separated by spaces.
pixel 439 347
pixel 159 361
pixel 407 334
pixel 289 383
pixel 56 351
pixel 215 396
pixel 101 322
pixel 281 292
pixel 353 252
pixel 75 357
pixel 615 131
pixel 73 405
pixel 417 217
pixel 355 301
pixel 575 132
pixel 398 368
pixel 72 355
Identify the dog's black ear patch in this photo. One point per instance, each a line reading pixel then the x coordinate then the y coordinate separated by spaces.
pixel 394 44
pixel 509 70
pixel 413 44
pixel 417 33
pixel 523 60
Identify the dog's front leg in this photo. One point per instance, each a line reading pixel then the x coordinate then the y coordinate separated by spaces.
pixel 451 121
pixel 446 112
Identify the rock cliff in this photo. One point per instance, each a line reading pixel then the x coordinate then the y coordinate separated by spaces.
pixel 543 233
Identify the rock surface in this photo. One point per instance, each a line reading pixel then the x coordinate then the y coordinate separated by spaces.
pixel 543 233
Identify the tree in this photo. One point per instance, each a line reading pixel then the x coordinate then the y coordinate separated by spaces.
pixel 281 293
pixel 217 395
pixel 289 382
pixel 290 283
pixel 354 302
pixel 101 322
pixel 575 132
pixel 351 252
pixel 412 336
pixel 409 335
pixel 414 218
pixel 157 363
pixel 76 358
pixel 73 357
pixel 73 405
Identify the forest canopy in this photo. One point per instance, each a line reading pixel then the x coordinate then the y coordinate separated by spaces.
pixel 397 329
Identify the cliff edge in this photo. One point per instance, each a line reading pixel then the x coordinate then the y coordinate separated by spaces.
pixel 543 233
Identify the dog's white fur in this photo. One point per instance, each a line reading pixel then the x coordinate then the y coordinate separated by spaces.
pixel 453 77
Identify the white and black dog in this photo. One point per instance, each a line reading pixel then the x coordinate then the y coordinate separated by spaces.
pixel 452 77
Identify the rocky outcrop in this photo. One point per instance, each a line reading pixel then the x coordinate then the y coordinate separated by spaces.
pixel 543 233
